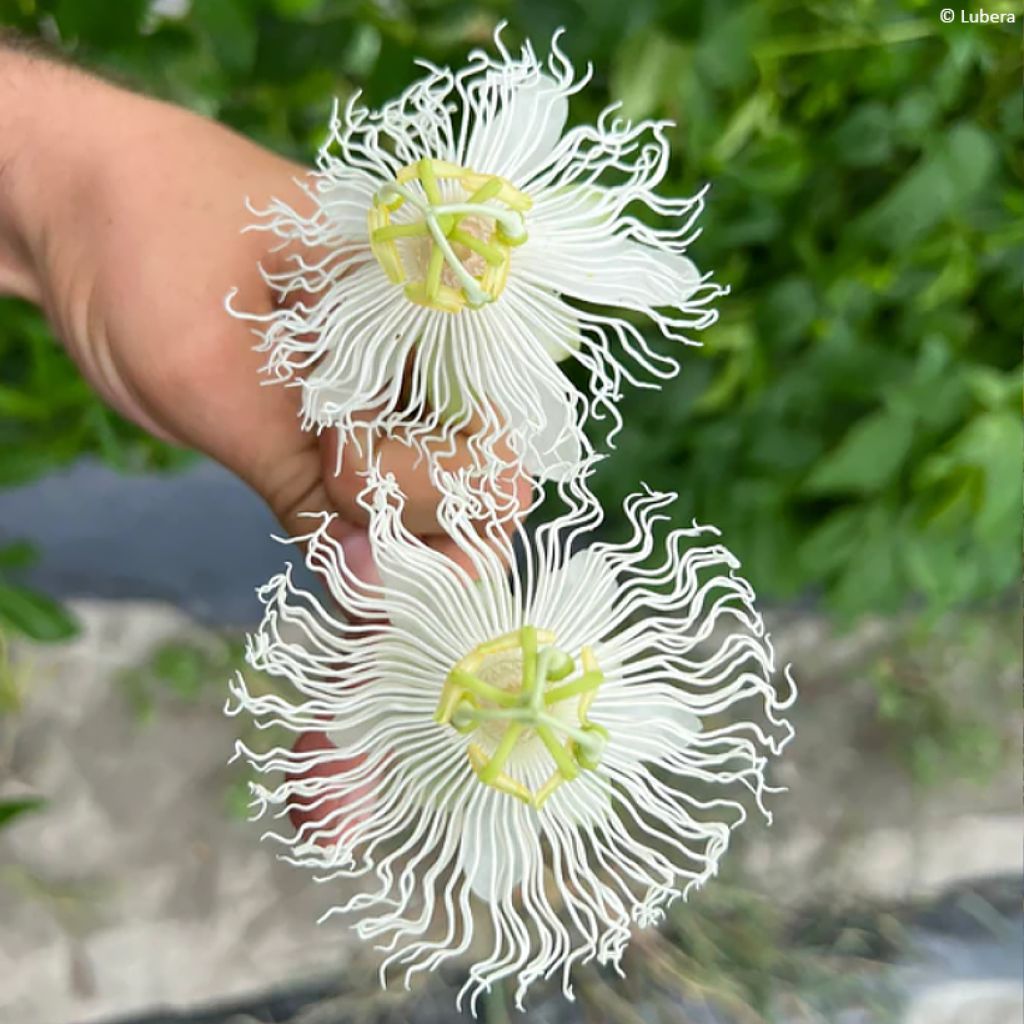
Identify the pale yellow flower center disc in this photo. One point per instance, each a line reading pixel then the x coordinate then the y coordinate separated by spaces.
pixel 456 253
pixel 507 692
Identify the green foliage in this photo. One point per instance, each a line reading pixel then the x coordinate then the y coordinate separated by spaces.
pixel 13 808
pixel 183 671
pixel 928 704
pixel 49 418
pixel 746 959
pixel 33 615
pixel 852 421
pixel 191 672
pixel 11 684
pixel 48 415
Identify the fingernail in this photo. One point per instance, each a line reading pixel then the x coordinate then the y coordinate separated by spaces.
pixel 359 556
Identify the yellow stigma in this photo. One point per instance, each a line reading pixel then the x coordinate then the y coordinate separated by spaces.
pixel 507 691
pixel 456 255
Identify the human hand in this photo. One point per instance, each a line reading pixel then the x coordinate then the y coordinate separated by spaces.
pixel 123 218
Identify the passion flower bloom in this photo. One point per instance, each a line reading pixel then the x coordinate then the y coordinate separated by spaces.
pixel 528 762
pixel 456 232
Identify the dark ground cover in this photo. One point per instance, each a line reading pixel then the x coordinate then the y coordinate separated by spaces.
pixel 858 964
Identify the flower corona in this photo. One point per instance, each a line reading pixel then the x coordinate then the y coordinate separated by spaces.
pixel 554 744
pixel 501 694
pixel 534 741
pixel 462 248
pixel 462 241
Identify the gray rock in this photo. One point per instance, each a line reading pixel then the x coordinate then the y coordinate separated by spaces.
pixel 970 1002
pixel 135 890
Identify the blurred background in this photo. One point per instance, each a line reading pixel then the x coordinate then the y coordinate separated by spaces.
pixel 852 423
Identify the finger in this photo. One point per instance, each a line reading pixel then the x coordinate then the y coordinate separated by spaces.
pixel 447 547
pixel 411 469
pixel 326 812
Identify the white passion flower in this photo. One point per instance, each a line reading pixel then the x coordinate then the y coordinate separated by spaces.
pixel 530 762
pixel 456 232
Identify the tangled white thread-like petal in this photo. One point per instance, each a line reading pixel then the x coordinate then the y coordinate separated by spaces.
pixel 449 866
pixel 363 352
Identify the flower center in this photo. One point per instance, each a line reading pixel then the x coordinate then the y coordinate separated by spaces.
pixel 459 248
pixel 516 689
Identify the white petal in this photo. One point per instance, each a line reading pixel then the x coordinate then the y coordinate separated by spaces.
pixel 556 326
pixel 325 399
pixel 646 727
pixel 345 195
pixel 364 355
pixel 652 713
pixel 346 732
pixel 608 269
pixel 517 140
pixel 496 852
pixel 426 594
pixel 575 599
pixel 555 451
pixel 583 803
pixel 450 619
pixel 502 365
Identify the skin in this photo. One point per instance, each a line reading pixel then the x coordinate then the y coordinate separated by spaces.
pixel 122 218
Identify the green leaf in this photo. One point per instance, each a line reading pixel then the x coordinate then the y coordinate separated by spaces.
pixel 937 567
pixel 183 668
pixel 18 555
pixel 15 807
pixel 992 389
pixel 20 406
pixel 778 166
pixel 986 454
pixel 35 615
pixel 106 24
pixel 230 26
pixel 643 74
pixel 723 54
pixel 869 577
pixel 958 168
pixel 992 442
pixel 788 310
pixel 20 465
pixel 749 118
pixel 297 8
pixel 830 544
pixel 864 139
pixel 868 457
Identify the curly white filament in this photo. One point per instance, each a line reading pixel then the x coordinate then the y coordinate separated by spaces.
pixel 466 241
pixel 537 761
